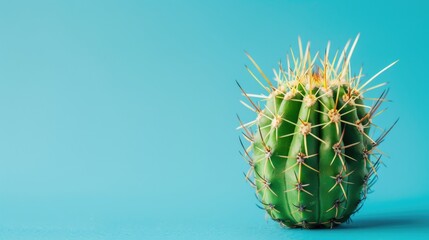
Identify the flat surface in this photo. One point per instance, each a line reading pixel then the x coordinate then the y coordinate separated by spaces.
pixel 388 220
pixel 118 118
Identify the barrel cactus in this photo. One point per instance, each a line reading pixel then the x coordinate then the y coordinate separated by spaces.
pixel 312 157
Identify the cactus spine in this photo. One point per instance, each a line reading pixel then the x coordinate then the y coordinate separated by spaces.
pixel 312 158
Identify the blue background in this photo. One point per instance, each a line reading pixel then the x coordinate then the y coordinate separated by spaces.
pixel 117 118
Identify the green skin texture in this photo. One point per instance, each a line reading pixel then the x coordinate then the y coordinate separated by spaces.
pixel 321 205
pixel 277 180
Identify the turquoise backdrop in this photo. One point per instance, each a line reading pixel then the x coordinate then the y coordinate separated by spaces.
pixel 117 118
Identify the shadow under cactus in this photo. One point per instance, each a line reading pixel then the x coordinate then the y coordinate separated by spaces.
pixel 392 220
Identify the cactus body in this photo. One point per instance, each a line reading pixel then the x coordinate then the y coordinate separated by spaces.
pixel 311 155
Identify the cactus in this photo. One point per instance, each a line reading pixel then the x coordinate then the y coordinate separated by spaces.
pixel 311 155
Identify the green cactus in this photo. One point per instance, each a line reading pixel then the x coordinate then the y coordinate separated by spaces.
pixel 312 158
